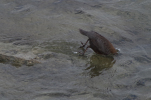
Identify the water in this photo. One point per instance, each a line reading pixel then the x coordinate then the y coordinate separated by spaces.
pixel 42 38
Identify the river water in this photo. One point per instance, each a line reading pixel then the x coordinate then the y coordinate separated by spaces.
pixel 47 31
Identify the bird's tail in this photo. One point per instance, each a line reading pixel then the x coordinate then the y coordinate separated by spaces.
pixel 83 32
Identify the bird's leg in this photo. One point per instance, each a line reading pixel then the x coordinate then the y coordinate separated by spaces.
pixel 83 45
pixel 85 50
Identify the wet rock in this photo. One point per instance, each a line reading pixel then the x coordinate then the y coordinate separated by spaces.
pixel 15 61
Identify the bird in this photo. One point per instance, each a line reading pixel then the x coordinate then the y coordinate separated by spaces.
pixel 98 43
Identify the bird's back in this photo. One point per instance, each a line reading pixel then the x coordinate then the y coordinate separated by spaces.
pixel 99 43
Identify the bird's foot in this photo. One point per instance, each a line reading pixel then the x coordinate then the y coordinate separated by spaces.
pixel 83 45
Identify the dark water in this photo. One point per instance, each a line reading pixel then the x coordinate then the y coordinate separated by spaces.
pixel 46 31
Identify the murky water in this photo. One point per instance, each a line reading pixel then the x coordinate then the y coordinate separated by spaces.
pixel 39 42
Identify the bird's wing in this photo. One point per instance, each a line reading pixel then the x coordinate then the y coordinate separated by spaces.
pixel 100 44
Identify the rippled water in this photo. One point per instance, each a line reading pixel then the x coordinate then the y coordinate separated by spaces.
pixel 46 31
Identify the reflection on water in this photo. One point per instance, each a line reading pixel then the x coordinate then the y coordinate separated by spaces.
pixel 98 63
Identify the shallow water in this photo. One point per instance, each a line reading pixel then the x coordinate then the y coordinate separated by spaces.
pixel 46 31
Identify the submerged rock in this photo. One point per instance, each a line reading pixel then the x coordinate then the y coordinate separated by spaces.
pixel 16 61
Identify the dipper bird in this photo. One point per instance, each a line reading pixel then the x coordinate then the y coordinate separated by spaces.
pixel 98 43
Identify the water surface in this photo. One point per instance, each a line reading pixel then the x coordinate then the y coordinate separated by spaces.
pixel 42 38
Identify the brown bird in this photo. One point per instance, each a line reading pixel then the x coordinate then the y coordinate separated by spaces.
pixel 98 43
